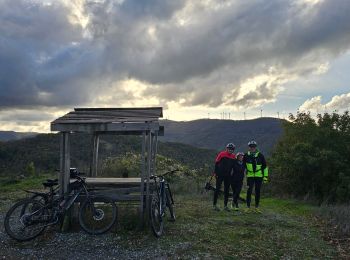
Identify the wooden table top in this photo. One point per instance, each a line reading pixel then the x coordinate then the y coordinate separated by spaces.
pixel 90 180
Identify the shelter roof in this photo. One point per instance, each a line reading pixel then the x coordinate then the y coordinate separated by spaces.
pixel 109 120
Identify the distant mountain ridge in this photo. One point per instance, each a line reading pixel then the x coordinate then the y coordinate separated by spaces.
pixel 215 134
pixel 208 133
pixel 12 135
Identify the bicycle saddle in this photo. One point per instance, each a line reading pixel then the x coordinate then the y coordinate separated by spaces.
pixel 50 183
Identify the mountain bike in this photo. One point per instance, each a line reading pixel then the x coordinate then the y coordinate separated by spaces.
pixel 160 200
pixel 53 186
pixel 28 218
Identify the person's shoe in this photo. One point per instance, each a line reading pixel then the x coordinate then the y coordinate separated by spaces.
pixel 247 210
pixel 257 210
pixel 216 208
pixel 227 209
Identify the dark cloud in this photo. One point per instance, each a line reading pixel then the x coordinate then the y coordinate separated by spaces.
pixel 191 52
pixel 26 116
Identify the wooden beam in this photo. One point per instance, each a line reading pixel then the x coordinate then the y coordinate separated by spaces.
pixel 113 196
pixel 142 186
pixel 148 172
pixel 64 176
pixel 134 111
pixel 105 127
pixel 154 152
pixel 95 149
pixel 61 172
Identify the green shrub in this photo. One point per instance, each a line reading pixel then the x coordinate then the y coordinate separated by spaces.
pixel 312 158
pixel 30 169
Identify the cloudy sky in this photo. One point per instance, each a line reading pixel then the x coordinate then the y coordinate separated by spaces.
pixel 191 57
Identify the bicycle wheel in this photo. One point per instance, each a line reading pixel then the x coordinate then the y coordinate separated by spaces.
pixel 25 220
pixel 157 223
pixel 97 215
pixel 170 206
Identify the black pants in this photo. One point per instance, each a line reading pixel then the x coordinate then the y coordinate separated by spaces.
pixel 219 181
pixel 254 181
pixel 236 188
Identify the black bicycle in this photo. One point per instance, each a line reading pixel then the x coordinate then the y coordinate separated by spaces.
pixel 28 218
pixel 160 200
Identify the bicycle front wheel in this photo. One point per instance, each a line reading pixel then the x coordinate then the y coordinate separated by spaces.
pixel 26 220
pixel 157 223
pixel 97 215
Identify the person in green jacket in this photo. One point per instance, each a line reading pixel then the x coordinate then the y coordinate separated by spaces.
pixel 257 172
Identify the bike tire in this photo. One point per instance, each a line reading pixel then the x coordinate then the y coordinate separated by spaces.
pixel 93 211
pixel 157 223
pixel 23 206
pixel 170 206
pixel 41 198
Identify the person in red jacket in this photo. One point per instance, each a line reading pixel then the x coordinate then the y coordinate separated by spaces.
pixel 223 166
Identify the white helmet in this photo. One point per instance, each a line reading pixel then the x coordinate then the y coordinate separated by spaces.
pixel 252 143
pixel 239 153
pixel 230 146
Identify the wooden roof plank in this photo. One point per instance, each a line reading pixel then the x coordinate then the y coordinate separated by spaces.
pixel 109 119
pixel 123 114
pixel 97 120
pixel 157 111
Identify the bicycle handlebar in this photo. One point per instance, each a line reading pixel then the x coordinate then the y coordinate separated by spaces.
pixel 164 174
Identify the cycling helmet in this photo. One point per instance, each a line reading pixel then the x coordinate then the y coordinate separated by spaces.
pixel 239 153
pixel 230 146
pixel 252 143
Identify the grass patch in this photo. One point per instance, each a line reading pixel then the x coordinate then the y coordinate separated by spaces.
pixel 335 223
pixel 285 229
pixel 12 184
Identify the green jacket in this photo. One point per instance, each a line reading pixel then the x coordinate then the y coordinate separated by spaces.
pixel 255 164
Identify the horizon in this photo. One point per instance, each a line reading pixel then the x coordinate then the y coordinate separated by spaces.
pixel 165 119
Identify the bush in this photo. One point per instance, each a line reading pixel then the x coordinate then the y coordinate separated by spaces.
pixel 30 169
pixel 312 158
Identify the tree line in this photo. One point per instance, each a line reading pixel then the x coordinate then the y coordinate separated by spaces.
pixel 312 158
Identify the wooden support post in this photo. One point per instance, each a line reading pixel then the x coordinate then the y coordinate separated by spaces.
pixel 154 152
pixel 61 173
pixel 142 185
pixel 64 163
pixel 94 155
pixel 148 173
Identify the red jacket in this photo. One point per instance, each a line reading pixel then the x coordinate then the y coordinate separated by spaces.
pixel 224 163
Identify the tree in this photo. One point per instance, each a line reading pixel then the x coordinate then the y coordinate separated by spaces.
pixel 312 158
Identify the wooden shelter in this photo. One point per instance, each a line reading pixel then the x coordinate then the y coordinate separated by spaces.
pixel 121 121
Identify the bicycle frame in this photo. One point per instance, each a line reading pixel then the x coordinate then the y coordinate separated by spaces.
pixel 60 205
pixel 161 187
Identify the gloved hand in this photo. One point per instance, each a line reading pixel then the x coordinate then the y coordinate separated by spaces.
pixel 265 180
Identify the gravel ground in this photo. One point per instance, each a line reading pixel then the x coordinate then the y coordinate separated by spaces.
pixel 79 245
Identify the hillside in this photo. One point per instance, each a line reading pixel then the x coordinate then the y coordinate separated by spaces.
pixel 208 133
pixel 12 135
pixel 186 142
pixel 43 151
pixel 215 134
